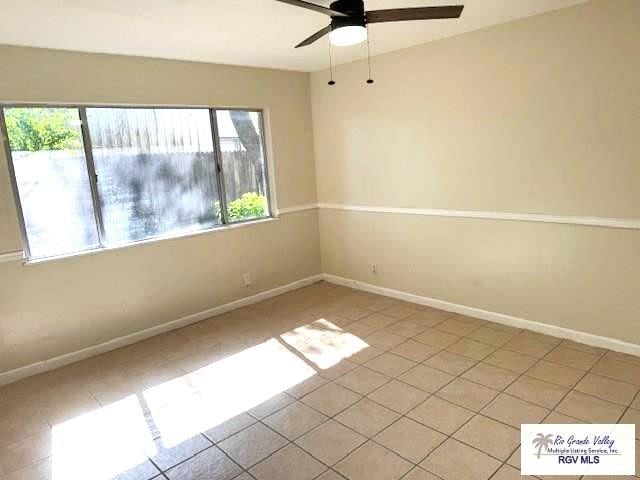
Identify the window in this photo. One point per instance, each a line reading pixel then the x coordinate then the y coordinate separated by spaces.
pixel 245 180
pixel 99 177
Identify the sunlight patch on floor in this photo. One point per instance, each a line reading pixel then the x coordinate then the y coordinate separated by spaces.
pixel 118 437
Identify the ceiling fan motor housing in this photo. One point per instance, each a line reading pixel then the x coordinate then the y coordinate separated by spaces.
pixel 355 11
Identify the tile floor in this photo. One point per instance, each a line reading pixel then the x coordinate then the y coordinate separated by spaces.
pixel 322 383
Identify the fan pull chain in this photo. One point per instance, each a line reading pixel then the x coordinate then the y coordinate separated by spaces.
pixel 369 80
pixel 331 81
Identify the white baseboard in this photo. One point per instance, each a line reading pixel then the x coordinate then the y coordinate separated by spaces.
pixel 555 331
pixel 560 332
pixel 66 359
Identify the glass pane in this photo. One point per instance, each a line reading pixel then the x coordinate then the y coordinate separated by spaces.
pixel 53 183
pixel 156 173
pixel 245 181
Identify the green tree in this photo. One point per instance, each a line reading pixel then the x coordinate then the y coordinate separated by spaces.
pixel 34 129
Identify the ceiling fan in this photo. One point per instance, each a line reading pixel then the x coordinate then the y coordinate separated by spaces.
pixel 349 19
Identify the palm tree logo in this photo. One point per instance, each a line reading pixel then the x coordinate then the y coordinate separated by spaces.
pixel 542 441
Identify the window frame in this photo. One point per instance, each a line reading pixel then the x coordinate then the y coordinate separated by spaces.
pixel 87 147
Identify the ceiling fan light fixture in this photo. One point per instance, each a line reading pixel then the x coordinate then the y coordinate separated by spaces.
pixel 348 35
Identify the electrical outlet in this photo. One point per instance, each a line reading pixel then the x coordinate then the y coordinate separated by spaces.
pixel 246 278
pixel 374 268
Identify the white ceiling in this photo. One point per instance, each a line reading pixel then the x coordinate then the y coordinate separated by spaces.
pixel 243 32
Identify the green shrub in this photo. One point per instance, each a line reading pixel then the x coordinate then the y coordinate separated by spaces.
pixel 250 205
pixel 34 129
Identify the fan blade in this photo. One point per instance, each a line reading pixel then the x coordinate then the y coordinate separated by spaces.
pixel 314 37
pixel 421 13
pixel 314 7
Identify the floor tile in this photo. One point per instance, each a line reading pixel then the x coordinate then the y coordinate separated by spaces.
pixel 514 460
pixel 390 364
pixel 229 427
pixel 352 312
pixel 494 438
pixel 536 391
pixel 290 463
pixel 555 373
pixel 398 396
pixel 295 420
pixel 618 370
pixel 507 472
pixel 401 310
pixel 528 346
pixel 456 326
pixel 43 470
pixel 416 351
pixel 362 380
pixel 450 363
pixel 440 415
pixel 467 394
pixel 380 302
pixel 271 405
pixel 367 417
pixel 429 318
pixel 252 444
pixel 379 320
pixel 330 442
pixel 363 356
pixel 330 475
pixel 21 454
pixel 509 360
pixel 384 340
pixel 166 454
pixel 472 349
pixel 331 399
pixel 210 464
pixel 455 461
pixel 608 388
pixel 307 386
pixel 491 336
pixel 373 462
pixel 360 329
pixel 406 328
pixel 244 476
pixel 572 358
pixel 590 409
pixel 409 439
pixel 632 416
pixel 426 378
pixel 143 471
pixel 490 376
pixel 582 347
pixel 436 338
pixel 513 411
pixel 560 418
pixel 337 370
pixel 419 474
pixel 623 357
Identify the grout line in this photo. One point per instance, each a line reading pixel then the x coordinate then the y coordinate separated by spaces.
pixel 340 298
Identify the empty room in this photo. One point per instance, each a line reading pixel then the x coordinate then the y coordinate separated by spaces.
pixel 319 240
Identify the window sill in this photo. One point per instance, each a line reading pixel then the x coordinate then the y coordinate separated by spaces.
pixel 218 229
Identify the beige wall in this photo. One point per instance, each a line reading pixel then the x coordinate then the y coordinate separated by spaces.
pixel 54 308
pixel 540 115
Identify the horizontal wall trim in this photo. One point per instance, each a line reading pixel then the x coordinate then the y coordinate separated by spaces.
pixel 631 224
pixel 11 256
pixel 604 222
pixel 62 360
pixel 501 318
pixel 297 208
